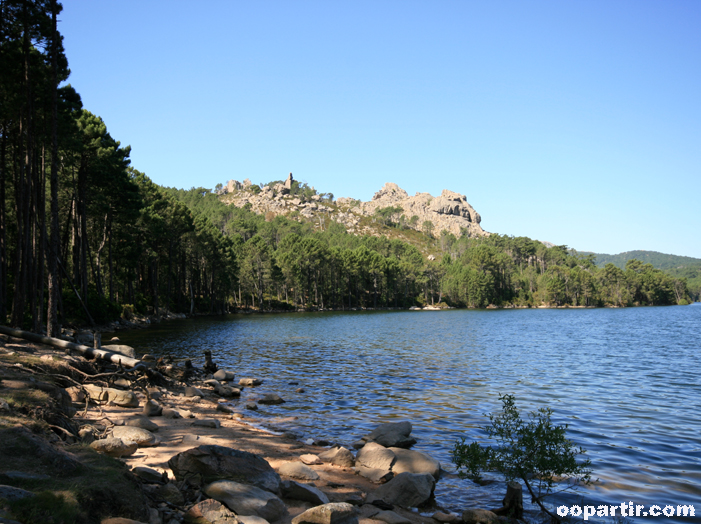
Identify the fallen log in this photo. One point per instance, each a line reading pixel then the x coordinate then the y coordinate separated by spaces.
pixel 86 351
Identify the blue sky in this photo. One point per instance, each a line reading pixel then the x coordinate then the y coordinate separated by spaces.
pixel 574 122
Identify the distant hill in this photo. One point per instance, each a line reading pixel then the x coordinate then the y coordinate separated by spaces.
pixel 675 265
pixel 658 260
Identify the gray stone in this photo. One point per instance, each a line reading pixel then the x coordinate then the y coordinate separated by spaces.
pixel 21 475
pixel 297 491
pixel 334 513
pixel 252 519
pixel 114 447
pixel 224 375
pixel 244 499
pixel 310 460
pixel 228 391
pixel 119 397
pixel 298 470
pixel 252 406
pixel 374 474
pixel 338 456
pixel 250 382
pixel 406 489
pixel 139 436
pixel 170 413
pixel 271 399
pixel 479 516
pixel 143 423
pixel 415 462
pixel 148 474
pixel 4 406
pixel 127 351
pixel 170 493
pixel 12 493
pixel 219 462
pixel 375 456
pixel 193 392
pixel 446 518
pixel 152 409
pixel 207 423
pixel 212 511
pixel 224 408
pixel 120 520
pixel 390 517
pixel 392 434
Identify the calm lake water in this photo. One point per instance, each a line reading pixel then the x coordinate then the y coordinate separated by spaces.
pixel 626 380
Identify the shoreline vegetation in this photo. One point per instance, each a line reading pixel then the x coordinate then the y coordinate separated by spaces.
pixel 85 440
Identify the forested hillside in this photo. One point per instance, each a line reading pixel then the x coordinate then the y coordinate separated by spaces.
pixel 677 266
pixel 286 263
pixel 85 237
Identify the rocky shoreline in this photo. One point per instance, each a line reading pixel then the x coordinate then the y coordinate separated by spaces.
pixel 193 459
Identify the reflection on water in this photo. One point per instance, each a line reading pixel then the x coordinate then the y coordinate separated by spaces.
pixel 626 380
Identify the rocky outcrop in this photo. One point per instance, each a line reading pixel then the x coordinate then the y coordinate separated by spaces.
pixel 392 434
pixel 450 211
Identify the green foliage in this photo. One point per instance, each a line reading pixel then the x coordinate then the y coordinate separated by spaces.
pixel 533 450
pixel 45 508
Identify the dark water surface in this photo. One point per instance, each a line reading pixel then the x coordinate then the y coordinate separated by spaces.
pixel 626 380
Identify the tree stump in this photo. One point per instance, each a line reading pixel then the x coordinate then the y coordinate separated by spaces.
pixel 209 365
pixel 513 501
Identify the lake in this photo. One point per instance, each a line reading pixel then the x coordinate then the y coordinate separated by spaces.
pixel 625 380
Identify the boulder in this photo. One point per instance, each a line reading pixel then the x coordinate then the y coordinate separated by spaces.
pixel 408 490
pixel 252 519
pixel 310 460
pixel 224 375
pixel 11 493
pixel 297 491
pixel 271 399
pixel 152 409
pixel 446 518
pixel 150 475
pixel 114 447
pixel 414 462
pixel 390 517
pixel 374 474
pixel 170 493
pixel 170 413
pixel 139 436
pixel 392 435
pixel 245 499
pixel 98 394
pixel 250 382
pixel 193 392
pixel 252 406
pixel 127 351
pixel 143 423
pixel 334 513
pixel 338 456
pixel 298 470
pixel 375 456
pixel 479 516
pixel 219 462
pixel 211 511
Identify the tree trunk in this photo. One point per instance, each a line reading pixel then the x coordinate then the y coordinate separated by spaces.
pixel 52 326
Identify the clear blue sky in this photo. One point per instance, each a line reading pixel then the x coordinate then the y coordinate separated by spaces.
pixel 574 122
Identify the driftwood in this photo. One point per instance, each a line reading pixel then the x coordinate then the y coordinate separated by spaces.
pixel 86 351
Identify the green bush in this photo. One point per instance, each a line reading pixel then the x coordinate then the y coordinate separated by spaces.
pixel 534 450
